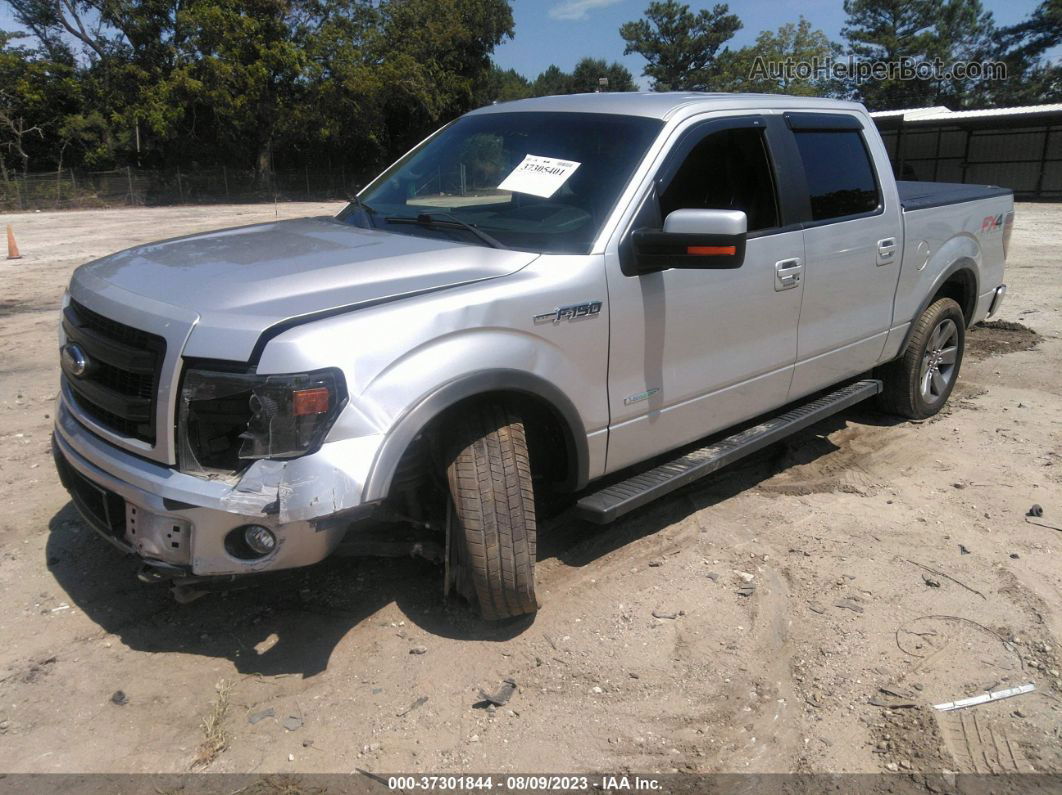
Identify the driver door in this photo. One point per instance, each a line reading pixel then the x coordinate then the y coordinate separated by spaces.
pixel 694 351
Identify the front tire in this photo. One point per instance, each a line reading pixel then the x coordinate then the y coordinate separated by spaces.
pixel 493 522
pixel 918 384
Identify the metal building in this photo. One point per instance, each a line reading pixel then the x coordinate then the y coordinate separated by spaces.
pixel 1019 148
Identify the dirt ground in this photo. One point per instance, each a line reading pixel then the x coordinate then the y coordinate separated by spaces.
pixel 776 617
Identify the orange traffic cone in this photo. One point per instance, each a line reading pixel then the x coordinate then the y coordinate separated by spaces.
pixel 12 246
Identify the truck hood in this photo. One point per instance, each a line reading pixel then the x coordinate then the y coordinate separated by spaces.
pixel 234 284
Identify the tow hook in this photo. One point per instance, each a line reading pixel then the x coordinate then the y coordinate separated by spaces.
pixel 151 575
pixel 185 594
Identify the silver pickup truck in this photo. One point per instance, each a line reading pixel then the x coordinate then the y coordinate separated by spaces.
pixel 609 295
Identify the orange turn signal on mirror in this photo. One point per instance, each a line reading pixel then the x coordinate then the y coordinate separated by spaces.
pixel 305 402
pixel 712 251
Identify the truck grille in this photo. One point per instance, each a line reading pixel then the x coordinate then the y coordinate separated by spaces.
pixel 100 507
pixel 118 388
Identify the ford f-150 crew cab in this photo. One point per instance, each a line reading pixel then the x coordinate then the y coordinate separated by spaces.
pixel 609 294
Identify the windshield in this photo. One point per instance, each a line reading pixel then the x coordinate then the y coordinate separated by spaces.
pixel 527 180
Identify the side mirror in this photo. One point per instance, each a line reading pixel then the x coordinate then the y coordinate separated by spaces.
pixel 692 239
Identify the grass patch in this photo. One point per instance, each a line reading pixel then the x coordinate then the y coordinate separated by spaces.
pixel 215 738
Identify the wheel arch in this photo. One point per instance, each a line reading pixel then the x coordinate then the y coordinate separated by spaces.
pixel 959 282
pixel 528 391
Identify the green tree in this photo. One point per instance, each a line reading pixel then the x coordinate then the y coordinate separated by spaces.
pixel 551 82
pixel 425 62
pixel 585 78
pixel 444 47
pixel 88 136
pixel 890 31
pixel 914 33
pixel 35 94
pixel 681 47
pixel 772 64
pixel 588 72
pixel 1031 78
pixel 251 83
pixel 1034 36
pixel 241 65
pixel 502 85
pixel 962 32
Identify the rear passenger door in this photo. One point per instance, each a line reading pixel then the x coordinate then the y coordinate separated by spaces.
pixel 852 249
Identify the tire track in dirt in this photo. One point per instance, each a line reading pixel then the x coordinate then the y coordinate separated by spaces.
pixel 767 737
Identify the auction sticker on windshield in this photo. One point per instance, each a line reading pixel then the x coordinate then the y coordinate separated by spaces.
pixel 539 176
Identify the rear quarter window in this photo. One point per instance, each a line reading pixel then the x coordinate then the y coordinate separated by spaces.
pixel 839 172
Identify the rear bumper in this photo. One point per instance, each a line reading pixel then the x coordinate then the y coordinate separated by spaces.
pixel 176 521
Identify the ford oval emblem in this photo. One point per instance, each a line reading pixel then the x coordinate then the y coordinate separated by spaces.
pixel 74 360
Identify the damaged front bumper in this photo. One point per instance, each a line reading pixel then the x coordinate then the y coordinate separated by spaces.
pixel 184 524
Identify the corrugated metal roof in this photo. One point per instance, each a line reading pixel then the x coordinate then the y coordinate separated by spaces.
pixel 910 113
pixel 943 114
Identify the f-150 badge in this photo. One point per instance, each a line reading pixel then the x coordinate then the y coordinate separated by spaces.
pixel 572 312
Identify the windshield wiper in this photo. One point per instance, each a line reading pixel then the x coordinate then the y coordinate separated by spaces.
pixel 444 221
pixel 357 202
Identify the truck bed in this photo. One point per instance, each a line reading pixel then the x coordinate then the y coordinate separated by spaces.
pixel 922 195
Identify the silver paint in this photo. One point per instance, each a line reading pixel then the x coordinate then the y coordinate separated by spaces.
pixel 418 323
pixel 706 222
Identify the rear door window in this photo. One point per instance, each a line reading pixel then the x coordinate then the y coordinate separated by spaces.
pixel 840 175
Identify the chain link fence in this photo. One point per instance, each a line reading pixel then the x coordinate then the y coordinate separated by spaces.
pixel 76 188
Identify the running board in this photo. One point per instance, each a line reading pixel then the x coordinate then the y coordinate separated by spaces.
pixel 613 501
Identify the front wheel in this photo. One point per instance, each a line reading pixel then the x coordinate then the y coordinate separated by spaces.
pixel 917 385
pixel 492 525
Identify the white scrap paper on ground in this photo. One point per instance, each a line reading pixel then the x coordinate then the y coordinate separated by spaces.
pixel 984 698
pixel 539 176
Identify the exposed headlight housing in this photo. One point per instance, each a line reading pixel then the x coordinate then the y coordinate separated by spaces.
pixel 226 420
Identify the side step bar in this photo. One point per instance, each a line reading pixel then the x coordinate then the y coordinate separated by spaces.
pixel 613 501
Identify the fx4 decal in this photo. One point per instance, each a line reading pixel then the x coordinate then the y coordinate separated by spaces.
pixel 572 312
pixel 991 223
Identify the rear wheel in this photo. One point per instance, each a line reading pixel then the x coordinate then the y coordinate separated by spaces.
pixel 917 385
pixel 492 524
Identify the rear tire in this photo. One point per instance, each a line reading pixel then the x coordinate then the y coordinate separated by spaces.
pixel 918 384
pixel 493 526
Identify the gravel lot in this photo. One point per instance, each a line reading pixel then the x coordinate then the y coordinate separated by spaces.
pixel 883 554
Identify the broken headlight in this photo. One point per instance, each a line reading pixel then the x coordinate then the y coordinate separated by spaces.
pixel 226 420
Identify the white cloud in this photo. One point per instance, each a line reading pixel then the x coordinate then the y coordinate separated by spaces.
pixel 578 9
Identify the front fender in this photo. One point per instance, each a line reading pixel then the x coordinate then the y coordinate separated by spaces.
pixel 409 360
pixel 468 385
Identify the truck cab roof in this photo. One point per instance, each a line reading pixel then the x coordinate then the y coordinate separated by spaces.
pixel 667 105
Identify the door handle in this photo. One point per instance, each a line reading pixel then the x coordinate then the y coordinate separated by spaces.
pixel 787 273
pixel 886 250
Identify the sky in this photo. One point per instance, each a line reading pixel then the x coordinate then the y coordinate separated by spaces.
pixel 563 31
